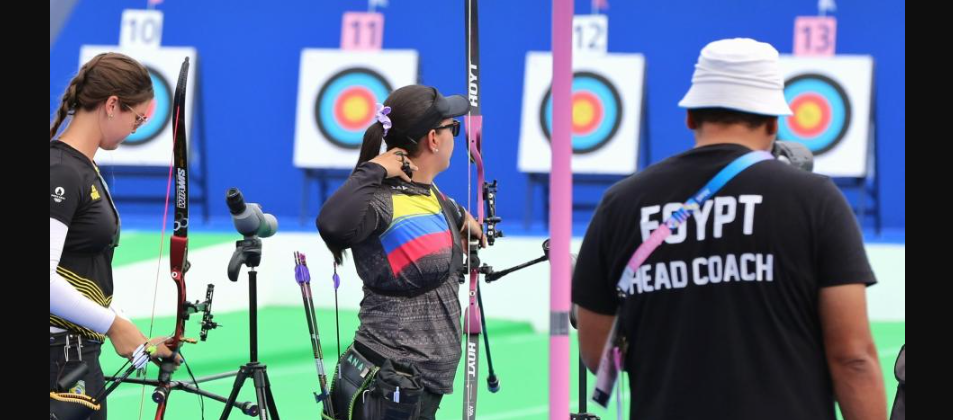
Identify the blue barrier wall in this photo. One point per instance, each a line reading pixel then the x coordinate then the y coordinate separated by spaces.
pixel 249 57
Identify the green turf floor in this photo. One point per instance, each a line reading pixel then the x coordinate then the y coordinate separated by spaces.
pixel 520 358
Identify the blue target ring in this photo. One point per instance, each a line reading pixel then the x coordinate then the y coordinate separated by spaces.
pixel 160 113
pixel 362 88
pixel 822 112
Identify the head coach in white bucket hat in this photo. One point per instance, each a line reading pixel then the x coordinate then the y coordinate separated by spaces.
pixel 754 306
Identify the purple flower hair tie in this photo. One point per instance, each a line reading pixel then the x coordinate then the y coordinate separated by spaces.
pixel 381 116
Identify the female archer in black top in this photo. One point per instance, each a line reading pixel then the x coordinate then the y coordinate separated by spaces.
pixel 407 237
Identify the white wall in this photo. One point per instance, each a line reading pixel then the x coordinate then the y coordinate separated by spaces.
pixel 522 296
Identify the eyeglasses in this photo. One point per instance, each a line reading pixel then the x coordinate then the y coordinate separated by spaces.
pixel 453 126
pixel 140 118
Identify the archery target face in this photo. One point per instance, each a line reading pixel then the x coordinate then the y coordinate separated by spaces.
pixel 831 101
pixel 606 113
pixel 346 105
pixel 596 112
pixel 151 144
pixel 338 95
pixel 821 112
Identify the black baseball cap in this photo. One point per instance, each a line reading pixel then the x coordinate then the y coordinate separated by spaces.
pixel 443 107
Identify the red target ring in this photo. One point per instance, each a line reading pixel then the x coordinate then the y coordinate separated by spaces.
pixel 587 113
pixel 812 115
pixel 354 108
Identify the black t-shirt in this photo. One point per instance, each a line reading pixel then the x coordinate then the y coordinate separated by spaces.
pixel 723 319
pixel 80 199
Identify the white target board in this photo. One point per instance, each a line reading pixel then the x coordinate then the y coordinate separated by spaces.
pixel 831 100
pixel 606 110
pixel 337 96
pixel 151 144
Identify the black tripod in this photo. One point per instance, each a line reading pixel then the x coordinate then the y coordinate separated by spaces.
pixel 248 253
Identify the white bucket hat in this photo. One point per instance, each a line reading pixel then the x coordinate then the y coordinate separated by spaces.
pixel 740 74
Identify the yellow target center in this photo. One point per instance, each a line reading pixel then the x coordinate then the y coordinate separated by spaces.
pixel 355 108
pixel 809 115
pixel 582 112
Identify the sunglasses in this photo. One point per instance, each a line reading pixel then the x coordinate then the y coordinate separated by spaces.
pixel 140 118
pixel 454 126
